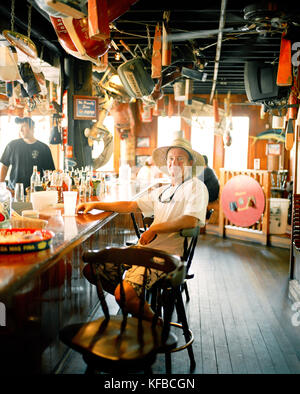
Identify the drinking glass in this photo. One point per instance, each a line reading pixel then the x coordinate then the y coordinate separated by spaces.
pixel 70 199
pixel 19 192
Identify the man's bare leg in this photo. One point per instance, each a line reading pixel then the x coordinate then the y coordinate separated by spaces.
pixel 132 301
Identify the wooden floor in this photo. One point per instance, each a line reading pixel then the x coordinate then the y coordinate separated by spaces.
pixel 239 313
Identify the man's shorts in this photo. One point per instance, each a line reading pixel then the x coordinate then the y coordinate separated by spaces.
pixel 133 275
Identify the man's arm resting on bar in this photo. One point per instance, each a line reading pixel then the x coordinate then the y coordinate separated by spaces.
pixel 117 206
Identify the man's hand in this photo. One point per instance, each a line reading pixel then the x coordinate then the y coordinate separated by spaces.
pixel 85 207
pixel 147 237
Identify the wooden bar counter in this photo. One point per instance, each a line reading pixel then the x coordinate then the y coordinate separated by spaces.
pixel 44 291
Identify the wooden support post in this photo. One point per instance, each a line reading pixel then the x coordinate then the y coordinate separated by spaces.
pixel 221 213
pixel 266 217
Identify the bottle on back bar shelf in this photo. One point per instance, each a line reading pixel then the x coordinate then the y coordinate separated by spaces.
pixel 66 182
pixel 35 179
pixel 38 187
pixel 5 205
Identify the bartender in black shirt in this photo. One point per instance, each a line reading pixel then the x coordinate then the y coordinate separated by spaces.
pixel 24 153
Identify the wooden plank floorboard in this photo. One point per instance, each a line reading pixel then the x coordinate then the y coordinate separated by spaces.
pixel 220 340
pixel 270 326
pixel 209 361
pixel 231 328
pixel 250 358
pixel 241 289
pixel 239 313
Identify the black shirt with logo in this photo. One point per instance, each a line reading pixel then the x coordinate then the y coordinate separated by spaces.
pixel 22 157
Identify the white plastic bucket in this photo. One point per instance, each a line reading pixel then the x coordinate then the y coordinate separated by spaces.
pixel 42 200
pixel 278 215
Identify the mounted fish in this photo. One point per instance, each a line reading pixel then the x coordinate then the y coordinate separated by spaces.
pixel 274 134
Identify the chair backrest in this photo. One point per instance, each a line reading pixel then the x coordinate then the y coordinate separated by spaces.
pixel 173 267
pixel 190 236
pixel 190 241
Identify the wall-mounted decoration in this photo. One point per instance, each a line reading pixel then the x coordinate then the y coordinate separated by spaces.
pixel 140 160
pixel 85 108
pixel 143 142
pixel 273 149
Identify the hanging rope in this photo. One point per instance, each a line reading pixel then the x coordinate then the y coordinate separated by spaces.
pixel 12 15
pixel 148 36
pixel 29 20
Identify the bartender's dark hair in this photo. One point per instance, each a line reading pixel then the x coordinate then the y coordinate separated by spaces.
pixel 27 120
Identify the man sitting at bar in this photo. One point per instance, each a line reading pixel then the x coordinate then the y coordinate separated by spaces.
pixel 181 204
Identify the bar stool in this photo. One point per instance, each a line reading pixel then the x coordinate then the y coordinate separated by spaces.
pixel 122 343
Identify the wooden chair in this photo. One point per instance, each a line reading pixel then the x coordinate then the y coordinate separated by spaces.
pixel 190 236
pixel 122 343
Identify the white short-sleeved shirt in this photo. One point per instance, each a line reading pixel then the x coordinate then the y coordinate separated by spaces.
pixel 190 198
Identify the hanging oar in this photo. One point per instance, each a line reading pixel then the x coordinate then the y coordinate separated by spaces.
pixel 156 54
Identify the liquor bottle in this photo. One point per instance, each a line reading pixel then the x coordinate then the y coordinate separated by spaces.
pixel 5 205
pixel 73 181
pixel 89 188
pixel 82 190
pixel 46 180
pixel 34 179
pixel 66 182
pixel 38 187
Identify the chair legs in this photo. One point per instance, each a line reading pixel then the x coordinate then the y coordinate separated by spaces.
pixel 186 290
pixel 188 335
pixel 168 303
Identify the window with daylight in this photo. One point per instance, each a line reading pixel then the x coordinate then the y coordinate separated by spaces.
pixel 99 145
pixel 166 126
pixel 236 155
pixel 202 136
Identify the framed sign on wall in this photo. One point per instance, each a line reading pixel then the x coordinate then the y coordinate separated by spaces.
pixel 273 149
pixel 143 142
pixel 85 107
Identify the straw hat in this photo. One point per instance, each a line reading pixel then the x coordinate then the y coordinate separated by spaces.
pixel 160 154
